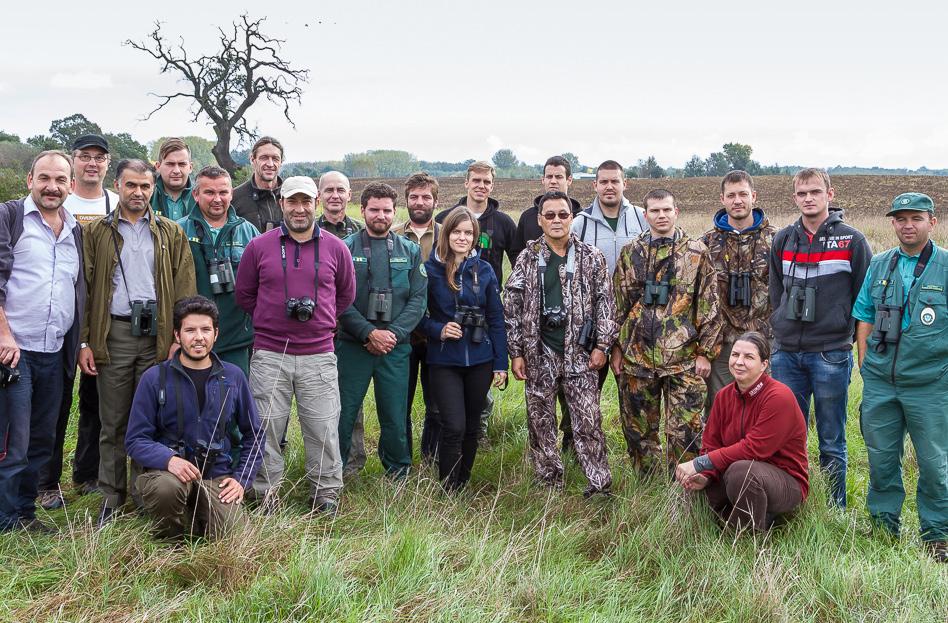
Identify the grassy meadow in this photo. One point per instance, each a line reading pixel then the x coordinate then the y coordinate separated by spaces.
pixel 502 550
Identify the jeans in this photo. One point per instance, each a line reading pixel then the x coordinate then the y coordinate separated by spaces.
pixel 28 412
pixel 824 376
pixel 85 465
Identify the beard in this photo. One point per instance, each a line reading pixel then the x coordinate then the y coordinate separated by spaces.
pixel 186 352
pixel 379 228
pixel 300 228
pixel 420 216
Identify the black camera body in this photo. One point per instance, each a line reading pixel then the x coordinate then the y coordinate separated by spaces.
pixel 587 336
pixel 8 375
pixel 472 317
pixel 300 309
pixel 380 305
pixel 221 275
pixel 145 318
pixel 887 326
pixel 739 289
pixel 801 303
pixel 554 317
pixel 656 293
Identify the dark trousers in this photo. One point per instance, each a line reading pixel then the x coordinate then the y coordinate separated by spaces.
pixel 85 464
pixel 459 393
pixel 28 412
pixel 430 431
pixel 751 494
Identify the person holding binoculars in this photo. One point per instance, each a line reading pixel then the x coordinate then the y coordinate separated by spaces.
pixel 669 331
pixel 294 281
pixel 739 244
pixel 559 311
pixel 137 264
pixel 467 344
pixel 817 266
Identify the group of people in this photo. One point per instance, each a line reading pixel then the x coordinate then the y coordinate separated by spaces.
pixel 197 313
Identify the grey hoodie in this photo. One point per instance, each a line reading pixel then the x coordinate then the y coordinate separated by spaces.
pixel 591 227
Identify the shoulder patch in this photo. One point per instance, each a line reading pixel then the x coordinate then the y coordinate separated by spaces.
pixel 422 271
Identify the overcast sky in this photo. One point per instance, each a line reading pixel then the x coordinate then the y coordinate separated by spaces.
pixel 809 83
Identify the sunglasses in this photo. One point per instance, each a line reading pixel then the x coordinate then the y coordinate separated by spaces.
pixel 560 215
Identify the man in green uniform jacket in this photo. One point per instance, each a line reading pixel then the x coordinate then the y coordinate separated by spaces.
pixel 217 237
pixel 172 197
pixel 902 337
pixel 373 340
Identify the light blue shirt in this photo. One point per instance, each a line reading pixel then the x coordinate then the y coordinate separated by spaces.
pixel 865 310
pixel 41 292
pixel 138 260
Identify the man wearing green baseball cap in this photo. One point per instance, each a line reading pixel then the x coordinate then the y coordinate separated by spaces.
pixel 902 337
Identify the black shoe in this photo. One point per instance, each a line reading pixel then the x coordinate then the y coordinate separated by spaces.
pixel 87 487
pixel 36 526
pixel 50 499
pixel 328 508
pixel 938 550
pixel 604 494
pixel 106 515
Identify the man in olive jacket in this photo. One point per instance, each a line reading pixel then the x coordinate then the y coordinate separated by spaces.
pixel 137 264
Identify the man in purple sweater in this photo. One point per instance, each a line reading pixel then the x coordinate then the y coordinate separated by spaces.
pixel 295 281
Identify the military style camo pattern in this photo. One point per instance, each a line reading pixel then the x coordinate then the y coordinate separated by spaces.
pixel 733 251
pixel 665 339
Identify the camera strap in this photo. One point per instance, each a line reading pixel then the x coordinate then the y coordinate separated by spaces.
pixel 570 269
pixel 649 259
pixel 923 259
pixel 121 266
pixel 315 264
pixel 367 252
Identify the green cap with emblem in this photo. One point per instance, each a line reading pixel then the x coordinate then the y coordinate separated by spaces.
pixel 918 202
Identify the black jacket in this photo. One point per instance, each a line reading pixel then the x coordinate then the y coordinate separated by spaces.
pixel 497 235
pixel 528 227
pixel 259 206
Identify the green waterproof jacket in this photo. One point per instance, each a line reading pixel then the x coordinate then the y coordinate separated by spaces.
pixel 174 279
pixel 160 198
pixel 409 290
pixel 236 328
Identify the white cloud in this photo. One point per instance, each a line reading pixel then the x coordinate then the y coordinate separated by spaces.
pixel 83 80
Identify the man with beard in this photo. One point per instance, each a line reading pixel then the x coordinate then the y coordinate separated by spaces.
pixel 421 195
pixel 172 196
pixel 257 199
pixel 372 342
pixel 42 294
pixel 294 281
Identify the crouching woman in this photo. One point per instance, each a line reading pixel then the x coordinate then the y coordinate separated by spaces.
pixel 753 461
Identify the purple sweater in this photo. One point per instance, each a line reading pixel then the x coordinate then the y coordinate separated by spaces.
pixel 260 292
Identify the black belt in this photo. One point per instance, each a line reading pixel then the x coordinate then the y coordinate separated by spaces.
pixel 127 319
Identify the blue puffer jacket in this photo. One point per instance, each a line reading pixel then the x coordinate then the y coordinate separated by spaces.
pixel 152 435
pixel 442 304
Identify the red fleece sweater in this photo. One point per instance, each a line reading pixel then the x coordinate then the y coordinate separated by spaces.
pixel 762 424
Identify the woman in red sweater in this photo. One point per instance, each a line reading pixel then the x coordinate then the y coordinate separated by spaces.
pixel 753 461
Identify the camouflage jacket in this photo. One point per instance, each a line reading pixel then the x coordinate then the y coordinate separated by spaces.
pixel 589 296
pixel 742 251
pixel 666 338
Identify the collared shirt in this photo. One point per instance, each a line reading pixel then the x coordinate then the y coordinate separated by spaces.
pixel 41 291
pixel 426 241
pixel 865 310
pixel 138 260
pixel 343 229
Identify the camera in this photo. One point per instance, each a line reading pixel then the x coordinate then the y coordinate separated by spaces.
pixel 801 303
pixel 656 293
pixel 221 275
pixel 380 305
pixel 300 309
pixel 739 290
pixel 471 316
pixel 205 455
pixel 8 375
pixel 553 317
pixel 887 327
pixel 145 318
pixel 587 336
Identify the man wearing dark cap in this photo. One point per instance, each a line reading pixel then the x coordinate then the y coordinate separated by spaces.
pixel 902 337
pixel 88 201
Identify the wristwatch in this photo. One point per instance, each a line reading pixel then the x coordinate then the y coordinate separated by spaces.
pixel 83 345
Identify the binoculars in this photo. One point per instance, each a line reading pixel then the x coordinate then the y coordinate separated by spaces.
pixel 656 293
pixel 472 316
pixel 145 318
pixel 380 305
pixel 8 375
pixel 739 289
pixel 205 455
pixel 887 327
pixel 221 275
pixel 300 309
pixel 801 303
pixel 587 336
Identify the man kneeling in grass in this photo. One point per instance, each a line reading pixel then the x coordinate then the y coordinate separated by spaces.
pixel 177 431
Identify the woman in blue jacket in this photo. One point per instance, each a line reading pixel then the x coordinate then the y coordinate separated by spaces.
pixel 467 344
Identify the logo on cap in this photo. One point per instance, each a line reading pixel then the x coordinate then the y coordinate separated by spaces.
pixel 906 201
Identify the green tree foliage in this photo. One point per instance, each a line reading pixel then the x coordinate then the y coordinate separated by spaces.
pixel 738 156
pixel 201 154
pixel 694 167
pixel 66 130
pixel 573 161
pixel 716 165
pixel 505 159
pixel 12 184
pixel 648 168
pixel 6 137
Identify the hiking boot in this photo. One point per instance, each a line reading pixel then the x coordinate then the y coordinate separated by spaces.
pixel 50 499
pixel 323 507
pixel 938 550
pixel 87 487
pixel 36 526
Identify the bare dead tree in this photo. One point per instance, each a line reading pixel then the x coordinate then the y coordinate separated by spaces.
pixel 223 86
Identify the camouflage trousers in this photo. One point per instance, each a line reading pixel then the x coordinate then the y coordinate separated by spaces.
pixel 641 412
pixel 545 379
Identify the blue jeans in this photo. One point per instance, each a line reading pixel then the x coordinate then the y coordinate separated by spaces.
pixel 824 376
pixel 28 412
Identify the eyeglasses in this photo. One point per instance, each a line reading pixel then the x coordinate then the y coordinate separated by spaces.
pixel 99 158
pixel 552 215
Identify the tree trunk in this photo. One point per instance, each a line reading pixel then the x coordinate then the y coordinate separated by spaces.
pixel 221 150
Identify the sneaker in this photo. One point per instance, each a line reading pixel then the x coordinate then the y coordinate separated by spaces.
pixel 36 526
pixel 50 499
pixel 938 550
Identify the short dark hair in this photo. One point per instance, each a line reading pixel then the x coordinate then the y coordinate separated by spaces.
pixel 558 161
pixel 658 194
pixel 420 180
pixel 761 343
pixel 194 305
pixel 553 195
pixel 609 165
pixel 736 177
pixel 134 164
pixel 212 172
pixel 266 140
pixel 378 190
pixel 52 152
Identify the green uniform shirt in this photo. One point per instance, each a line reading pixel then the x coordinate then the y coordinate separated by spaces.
pixel 553 291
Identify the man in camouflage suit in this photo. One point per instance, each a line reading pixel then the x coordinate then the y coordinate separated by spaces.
pixel 667 312
pixel 558 293
pixel 739 244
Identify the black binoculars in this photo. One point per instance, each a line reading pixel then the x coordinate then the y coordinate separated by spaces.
pixel 887 327
pixel 801 303
pixel 587 336
pixel 739 289
pixel 380 305
pixel 145 318
pixel 473 317
pixel 205 455
pixel 221 275
pixel 8 375
pixel 300 309
pixel 656 293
